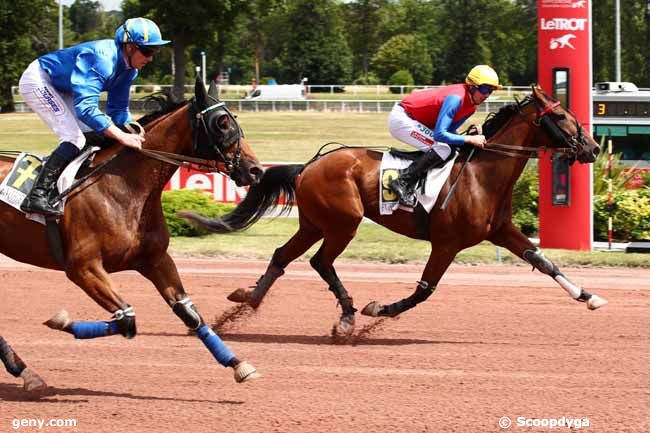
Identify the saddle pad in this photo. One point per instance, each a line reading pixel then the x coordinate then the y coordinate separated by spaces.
pixel 427 196
pixel 20 180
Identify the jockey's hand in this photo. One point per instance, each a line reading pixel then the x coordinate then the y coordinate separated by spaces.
pixel 124 138
pixel 131 140
pixel 476 140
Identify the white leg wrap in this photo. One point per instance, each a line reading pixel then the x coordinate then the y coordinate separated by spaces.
pixel 567 285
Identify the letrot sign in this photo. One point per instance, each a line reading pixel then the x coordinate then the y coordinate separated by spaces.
pixel 564 68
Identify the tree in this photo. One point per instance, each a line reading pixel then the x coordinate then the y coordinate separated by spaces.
pixel 363 27
pixel 317 49
pixel 86 17
pixel 465 46
pixel 404 52
pixel 187 23
pixel 26 30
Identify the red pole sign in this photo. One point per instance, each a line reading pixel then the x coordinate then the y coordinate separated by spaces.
pixel 564 70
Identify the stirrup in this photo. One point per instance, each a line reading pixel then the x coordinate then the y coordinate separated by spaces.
pixel 410 200
pixel 403 192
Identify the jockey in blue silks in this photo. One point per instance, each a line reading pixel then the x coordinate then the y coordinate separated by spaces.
pixel 63 88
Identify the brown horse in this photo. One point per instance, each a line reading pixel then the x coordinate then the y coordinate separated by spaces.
pixel 114 222
pixel 336 190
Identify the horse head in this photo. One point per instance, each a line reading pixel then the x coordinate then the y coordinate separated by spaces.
pixel 217 136
pixel 564 131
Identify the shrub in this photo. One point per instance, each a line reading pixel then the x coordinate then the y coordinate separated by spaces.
pixel 525 199
pixel 370 80
pixel 190 200
pixel 630 215
pixel 630 207
pixel 400 78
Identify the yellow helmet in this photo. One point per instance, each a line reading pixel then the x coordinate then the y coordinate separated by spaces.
pixel 483 74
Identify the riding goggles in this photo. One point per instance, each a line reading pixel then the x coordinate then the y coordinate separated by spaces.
pixel 147 51
pixel 484 89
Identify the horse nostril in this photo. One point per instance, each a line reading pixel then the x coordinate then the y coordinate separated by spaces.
pixel 596 151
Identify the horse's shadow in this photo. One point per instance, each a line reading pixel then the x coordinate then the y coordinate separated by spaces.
pixel 318 340
pixel 13 392
pixel 315 340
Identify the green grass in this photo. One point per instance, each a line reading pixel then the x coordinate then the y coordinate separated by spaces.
pixel 295 137
pixel 279 136
pixel 377 244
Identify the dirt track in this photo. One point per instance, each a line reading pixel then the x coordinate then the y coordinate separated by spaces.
pixel 492 341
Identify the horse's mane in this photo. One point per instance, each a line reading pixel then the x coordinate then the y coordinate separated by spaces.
pixel 495 121
pixel 164 102
pixel 161 102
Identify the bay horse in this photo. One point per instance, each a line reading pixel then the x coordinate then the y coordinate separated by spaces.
pixel 114 222
pixel 335 191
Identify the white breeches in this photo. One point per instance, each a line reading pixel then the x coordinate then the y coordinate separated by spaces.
pixel 54 107
pixel 413 133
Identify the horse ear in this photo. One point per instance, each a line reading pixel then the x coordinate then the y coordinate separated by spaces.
pixel 199 92
pixel 212 90
pixel 537 91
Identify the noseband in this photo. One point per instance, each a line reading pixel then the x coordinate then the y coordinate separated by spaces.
pixel 200 120
pixel 559 135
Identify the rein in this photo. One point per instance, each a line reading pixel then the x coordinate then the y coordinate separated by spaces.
pixel 203 165
pixel 527 151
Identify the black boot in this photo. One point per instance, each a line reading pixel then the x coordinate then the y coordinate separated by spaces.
pixel 404 185
pixel 38 199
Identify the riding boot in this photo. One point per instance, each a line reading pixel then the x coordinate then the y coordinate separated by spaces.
pixel 404 184
pixel 38 199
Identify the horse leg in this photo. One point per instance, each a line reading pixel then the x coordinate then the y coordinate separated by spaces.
pixel 95 281
pixel 322 262
pixel 32 382
pixel 439 261
pixel 515 241
pixel 301 241
pixel 164 275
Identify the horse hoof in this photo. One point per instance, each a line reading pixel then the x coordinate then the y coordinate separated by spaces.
pixel 245 372
pixel 239 295
pixel 344 327
pixel 32 381
pixel 596 302
pixel 372 309
pixel 60 321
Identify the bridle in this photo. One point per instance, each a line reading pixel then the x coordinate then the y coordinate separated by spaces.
pixel 200 121
pixel 557 135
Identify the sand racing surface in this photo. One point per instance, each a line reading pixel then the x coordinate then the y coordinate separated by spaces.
pixel 491 342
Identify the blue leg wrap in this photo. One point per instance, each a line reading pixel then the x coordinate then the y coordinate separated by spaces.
pixel 215 345
pixel 86 330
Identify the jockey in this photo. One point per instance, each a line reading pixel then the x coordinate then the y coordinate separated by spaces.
pixel 428 120
pixel 63 88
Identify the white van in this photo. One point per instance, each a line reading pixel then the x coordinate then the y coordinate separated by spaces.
pixel 267 92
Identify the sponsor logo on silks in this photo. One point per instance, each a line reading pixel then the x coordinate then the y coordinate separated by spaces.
pixel 44 94
pixel 562 42
pixel 424 139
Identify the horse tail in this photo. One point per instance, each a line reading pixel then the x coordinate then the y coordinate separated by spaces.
pixel 277 181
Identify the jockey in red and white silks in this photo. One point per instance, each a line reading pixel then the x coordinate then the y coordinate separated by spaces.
pixel 429 119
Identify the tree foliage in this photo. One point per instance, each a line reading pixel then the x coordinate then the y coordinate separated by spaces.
pixel 317 48
pixel 27 29
pixel 328 41
pixel 404 52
